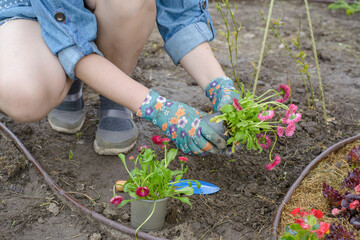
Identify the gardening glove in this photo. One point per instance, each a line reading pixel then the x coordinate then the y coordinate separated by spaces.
pixel 182 124
pixel 220 92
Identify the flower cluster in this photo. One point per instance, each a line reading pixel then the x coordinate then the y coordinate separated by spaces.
pixel 250 120
pixel 307 226
pixel 346 206
pixel 151 178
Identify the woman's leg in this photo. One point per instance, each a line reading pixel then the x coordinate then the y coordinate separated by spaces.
pixel 123 28
pixel 32 80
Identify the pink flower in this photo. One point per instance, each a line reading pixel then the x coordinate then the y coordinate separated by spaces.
pixel 264 141
pixel 165 141
pixel 284 91
pixel 357 188
pixel 131 158
pixel 276 162
pixel 142 147
pixel 280 131
pixel 292 110
pixel 354 204
pixel 290 129
pixel 142 191
pixel 293 118
pixel 335 211
pixel 324 227
pixel 266 115
pixel 183 159
pixel 116 200
pixel 157 140
pixel 236 105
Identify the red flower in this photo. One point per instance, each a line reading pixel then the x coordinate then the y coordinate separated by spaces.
pixel 316 213
pixel 116 200
pixel 354 204
pixel 299 221
pixel 131 158
pixel 183 159
pixel 276 162
pixel 284 91
pixel 357 188
pixel 236 104
pixel 142 191
pixel 157 140
pixel 324 227
pixel 295 211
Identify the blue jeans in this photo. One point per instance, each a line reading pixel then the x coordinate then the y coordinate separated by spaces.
pixel 69 29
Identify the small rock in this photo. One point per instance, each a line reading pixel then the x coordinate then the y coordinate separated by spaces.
pixel 249 35
pixel 196 226
pixel 53 208
pixel 109 212
pixel 95 236
pixel 125 217
pixel 40 220
pixel 80 187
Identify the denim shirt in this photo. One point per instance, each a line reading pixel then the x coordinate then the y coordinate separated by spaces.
pixel 69 28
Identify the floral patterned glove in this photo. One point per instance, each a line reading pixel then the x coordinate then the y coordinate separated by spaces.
pixel 220 93
pixel 182 124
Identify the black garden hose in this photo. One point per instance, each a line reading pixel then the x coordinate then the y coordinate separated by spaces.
pixel 305 172
pixel 71 202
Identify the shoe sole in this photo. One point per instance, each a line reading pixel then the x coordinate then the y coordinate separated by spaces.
pixel 112 151
pixel 67 130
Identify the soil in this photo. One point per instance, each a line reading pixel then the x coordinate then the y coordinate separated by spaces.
pixel 249 194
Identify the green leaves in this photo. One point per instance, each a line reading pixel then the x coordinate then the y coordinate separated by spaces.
pixel 243 126
pixel 156 176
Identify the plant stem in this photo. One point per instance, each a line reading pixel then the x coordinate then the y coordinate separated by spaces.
pixel 263 45
pixel 152 212
pixel 316 58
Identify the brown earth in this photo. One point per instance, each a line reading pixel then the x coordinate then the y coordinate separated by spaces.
pixel 249 195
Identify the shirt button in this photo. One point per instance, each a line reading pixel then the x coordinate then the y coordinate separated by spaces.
pixel 204 5
pixel 60 17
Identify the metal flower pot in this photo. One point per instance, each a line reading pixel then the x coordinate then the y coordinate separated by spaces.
pixel 141 210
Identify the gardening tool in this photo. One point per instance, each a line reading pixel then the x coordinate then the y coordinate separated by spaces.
pixel 206 188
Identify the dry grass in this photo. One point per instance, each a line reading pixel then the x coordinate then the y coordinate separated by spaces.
pixel 332 170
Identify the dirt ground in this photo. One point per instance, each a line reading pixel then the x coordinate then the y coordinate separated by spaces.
pixel 246 203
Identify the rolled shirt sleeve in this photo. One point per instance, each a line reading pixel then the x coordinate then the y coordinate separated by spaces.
pixel 68 29
pixel 183 24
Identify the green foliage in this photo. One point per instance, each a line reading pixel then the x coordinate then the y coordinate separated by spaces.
pixel 244 126
pixel 343 5
pixel 231 34
pixel 156 176
pixel 71 154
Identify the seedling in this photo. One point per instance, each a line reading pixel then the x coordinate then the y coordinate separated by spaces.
pixel 71 154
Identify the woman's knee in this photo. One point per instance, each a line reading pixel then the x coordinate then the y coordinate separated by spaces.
pixel 28 101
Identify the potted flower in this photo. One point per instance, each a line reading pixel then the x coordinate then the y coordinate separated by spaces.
pixel 151 183
pixel 250 120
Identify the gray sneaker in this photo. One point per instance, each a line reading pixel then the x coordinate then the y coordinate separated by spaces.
pixel 116 132
pixel 69 116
